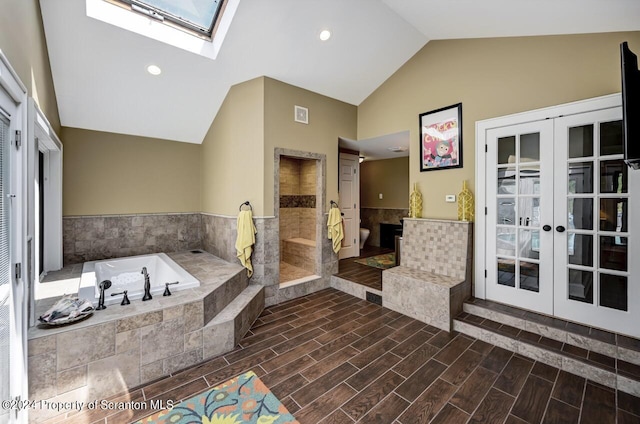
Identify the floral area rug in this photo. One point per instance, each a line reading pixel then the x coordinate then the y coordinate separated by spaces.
pixel 243 399
pixel 386 261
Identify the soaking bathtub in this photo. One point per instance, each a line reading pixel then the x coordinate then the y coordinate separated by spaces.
pixel 126 274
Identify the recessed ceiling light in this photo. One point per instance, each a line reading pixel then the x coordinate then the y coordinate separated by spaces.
pixel 397 149
pixel 325 34
pixel 154 70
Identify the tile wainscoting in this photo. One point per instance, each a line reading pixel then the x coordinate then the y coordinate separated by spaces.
pixel 90 238
pixel 371 218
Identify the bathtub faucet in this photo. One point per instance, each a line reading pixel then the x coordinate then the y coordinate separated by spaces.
pixel 147 284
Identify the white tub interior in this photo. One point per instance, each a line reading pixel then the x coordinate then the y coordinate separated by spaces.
pixel 126 274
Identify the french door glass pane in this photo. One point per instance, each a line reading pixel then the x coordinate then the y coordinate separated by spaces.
pixel 529 211
pixel 613 291
pixel 580 249
pixel 611 138
pixel 613 215
pixel 506 211
pixel 506 241
pixel 613 252
pixel 580 177
pixel 581 213
pixel 613 176
pixel 507 272
pixel 530 179
pixel 529 276
pixel 529 244
pixel 530 147
pixel 506 181
pixel 506 149
pixel 581 141
pixel 581 285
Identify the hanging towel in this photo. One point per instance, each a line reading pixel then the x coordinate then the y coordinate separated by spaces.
pixel 245 240
pixel 336 231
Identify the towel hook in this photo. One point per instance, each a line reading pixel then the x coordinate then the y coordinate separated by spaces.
pixel 333 204
pixel 245 204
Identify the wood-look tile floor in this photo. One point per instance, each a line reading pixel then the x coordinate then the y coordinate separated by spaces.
pixel 333 358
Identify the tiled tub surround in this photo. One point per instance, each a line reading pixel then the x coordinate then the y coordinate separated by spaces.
pixel 125 346
pixel 371 218
pixel 434 276
pixel 89 238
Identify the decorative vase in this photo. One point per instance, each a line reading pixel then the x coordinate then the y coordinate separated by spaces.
pixel 465 204
pixel 415 203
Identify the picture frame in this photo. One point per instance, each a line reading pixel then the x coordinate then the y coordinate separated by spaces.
pixel 441 138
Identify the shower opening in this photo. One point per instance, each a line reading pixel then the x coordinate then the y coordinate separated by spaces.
pixel 298 218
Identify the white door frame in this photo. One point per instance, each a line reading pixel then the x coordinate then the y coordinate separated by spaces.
pixel 16 90
pixel 480 227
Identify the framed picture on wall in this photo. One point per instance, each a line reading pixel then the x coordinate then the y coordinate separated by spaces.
pixel 441 138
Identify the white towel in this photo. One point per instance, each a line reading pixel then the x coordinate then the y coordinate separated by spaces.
pixel 336 232
pixel 245 240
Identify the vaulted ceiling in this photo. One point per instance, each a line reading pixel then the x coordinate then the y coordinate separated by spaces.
pixel 101 82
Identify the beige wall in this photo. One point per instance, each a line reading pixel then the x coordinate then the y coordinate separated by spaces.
pixel 389 177
pixel 22 41
pixel 107 173
pixel 491 77
pixel 328 120
pixel 232 154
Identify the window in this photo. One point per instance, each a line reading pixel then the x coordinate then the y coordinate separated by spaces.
pixel 199 16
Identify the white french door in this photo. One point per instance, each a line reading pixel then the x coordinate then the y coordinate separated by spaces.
pixel 593 224
pixel 519 203
pixel 558 226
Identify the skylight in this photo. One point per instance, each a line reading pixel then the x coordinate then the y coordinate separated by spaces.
pixel 195 15
pixel 197 29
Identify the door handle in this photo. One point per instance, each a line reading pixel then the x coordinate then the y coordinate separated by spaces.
pixel 547 228
pixel 560 229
